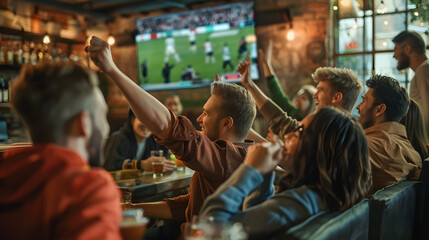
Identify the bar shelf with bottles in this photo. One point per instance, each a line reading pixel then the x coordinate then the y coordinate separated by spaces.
pixel 21 47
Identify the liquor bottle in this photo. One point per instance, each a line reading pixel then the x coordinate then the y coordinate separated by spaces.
pixel 39 52
pixel 26 54
pixel 1 88
pixel 33 55
pixel 9 54
pixel 2 55
pixel 5 91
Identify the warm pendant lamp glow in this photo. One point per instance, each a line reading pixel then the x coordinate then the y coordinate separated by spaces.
pixel 111 40
pixel 46 39
pixel 290 35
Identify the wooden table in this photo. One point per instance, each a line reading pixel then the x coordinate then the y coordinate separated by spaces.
pixel 146 185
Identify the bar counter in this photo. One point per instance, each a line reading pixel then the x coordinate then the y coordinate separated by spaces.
pixel 146 186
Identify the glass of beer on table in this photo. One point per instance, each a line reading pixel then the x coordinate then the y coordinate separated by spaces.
pixel 157 162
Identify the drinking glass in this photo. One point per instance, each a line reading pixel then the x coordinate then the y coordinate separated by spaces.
pixel 133 224
pixel 126 200
pixel 157 162
pixel 211 230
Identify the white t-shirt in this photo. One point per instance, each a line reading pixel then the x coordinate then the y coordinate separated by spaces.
pixel 226 56
pixel 419 90
pixel 208 47
pixel 191 36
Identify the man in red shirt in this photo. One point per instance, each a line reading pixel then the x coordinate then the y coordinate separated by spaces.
pixel 214 153
pixel 48 190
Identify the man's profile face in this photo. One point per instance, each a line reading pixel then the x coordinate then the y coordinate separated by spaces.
pixel 174 104
pixel 367 110
pixel 400 55
pixel 209 120
pixel 100 130
pixel 323 95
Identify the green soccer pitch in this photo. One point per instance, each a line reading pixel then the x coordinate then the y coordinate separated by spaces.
pixel 153 52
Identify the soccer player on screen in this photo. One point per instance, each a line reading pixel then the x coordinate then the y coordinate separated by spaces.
pixel 170 49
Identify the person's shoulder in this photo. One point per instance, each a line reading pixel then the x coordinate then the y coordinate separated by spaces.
pixel 79 179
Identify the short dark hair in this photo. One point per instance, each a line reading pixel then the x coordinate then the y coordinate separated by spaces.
pixel 388 91
pixel 237 103
pixel 48 95
pixel 413 39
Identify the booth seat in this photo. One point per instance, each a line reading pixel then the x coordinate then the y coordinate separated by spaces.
pixel 424 177
pixel 396 211
pixel 351 224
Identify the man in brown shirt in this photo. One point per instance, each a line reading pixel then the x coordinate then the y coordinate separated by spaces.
pixel 214 153
pixel 392 156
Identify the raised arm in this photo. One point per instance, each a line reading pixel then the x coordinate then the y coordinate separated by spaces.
pixel 148 109
pixel 244 69
pixel 275 91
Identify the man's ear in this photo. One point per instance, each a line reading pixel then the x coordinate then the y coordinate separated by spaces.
pixel 228 122
pixel 338 96
pixel 407 48
pixel 380 109
pixel 82 125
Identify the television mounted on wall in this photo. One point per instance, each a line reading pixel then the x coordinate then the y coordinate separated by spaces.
pixel 186 49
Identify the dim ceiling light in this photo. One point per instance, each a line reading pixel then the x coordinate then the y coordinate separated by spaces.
pixel 46 39
pixel 111 40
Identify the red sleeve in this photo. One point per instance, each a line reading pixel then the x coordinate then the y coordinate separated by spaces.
pixel 178 207
pixel 93 210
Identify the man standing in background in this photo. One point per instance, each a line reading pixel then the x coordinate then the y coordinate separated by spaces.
pixel 410 52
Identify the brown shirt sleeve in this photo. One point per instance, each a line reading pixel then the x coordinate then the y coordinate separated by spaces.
pixel 177 207
pixel 278 120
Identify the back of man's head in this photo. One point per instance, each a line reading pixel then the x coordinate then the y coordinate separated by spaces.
pixel 413 39
pixel 48 95
pixel 341 80
pixel 388 91
pixel 237 103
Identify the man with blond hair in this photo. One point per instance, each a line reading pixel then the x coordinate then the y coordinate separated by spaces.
pixel 336 87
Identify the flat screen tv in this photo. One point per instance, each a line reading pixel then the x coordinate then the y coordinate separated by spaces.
pixel 187 49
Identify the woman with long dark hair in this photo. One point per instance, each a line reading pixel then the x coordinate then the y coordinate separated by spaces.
pixel 327 156
pixel 416 129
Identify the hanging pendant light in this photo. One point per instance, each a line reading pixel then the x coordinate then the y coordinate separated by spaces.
pixel 46 39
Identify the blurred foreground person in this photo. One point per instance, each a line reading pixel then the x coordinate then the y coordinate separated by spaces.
pixel 48 190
